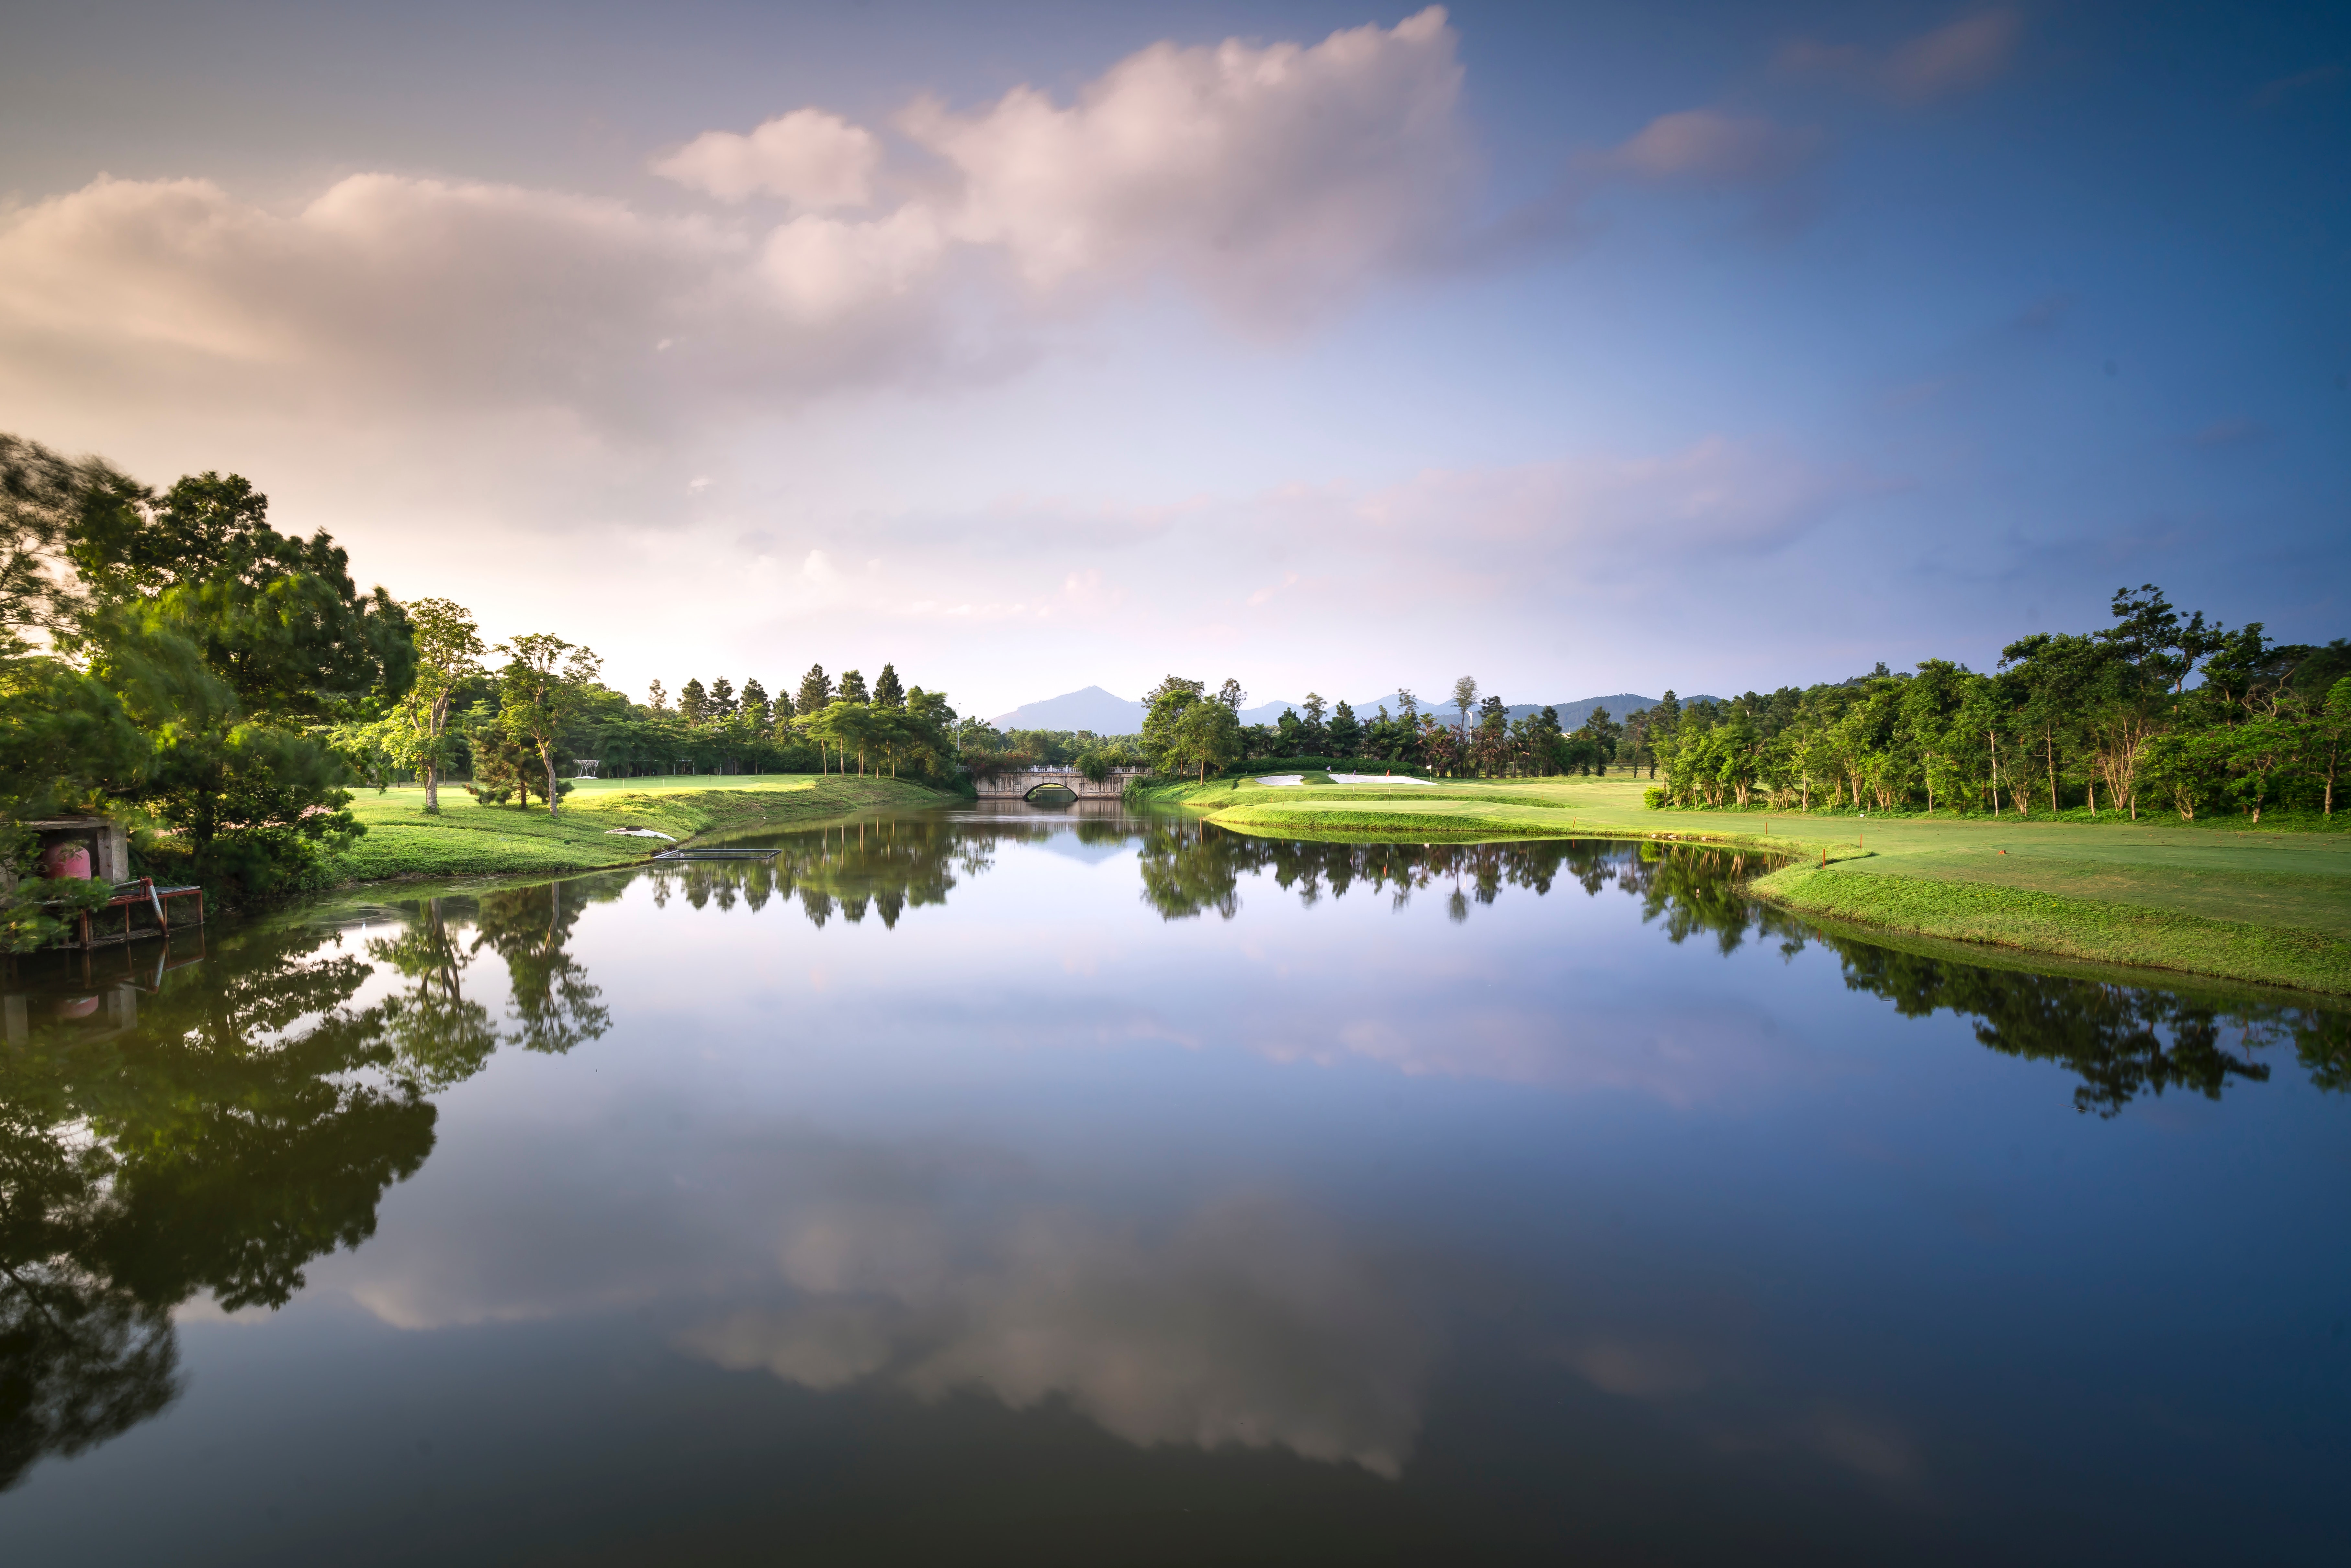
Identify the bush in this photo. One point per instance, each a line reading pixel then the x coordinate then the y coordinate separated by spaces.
pixel 1656 798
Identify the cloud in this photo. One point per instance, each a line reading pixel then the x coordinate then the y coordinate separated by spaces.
pixel 1715 497
pixel 1275 182
pixel 814 160
pixel 1703 146
pixel 1268 178
pixel 392 294
pixel 1955 58
pixel 1249 1324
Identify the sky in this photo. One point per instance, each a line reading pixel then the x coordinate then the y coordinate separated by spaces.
pixel 1578 348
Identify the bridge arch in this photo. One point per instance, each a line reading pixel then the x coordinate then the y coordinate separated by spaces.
pixel 1026 784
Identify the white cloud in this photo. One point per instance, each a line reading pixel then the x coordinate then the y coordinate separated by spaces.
pixel 401 295
pixel 1269 177
pixel 1273 181
pixel 814 160
pixel 1250 1324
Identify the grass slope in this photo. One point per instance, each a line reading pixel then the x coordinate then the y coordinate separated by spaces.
pixel 469 838
pixel 2269 906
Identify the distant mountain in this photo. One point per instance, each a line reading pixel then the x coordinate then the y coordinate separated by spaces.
pixel 1096 709
pixel 1091 709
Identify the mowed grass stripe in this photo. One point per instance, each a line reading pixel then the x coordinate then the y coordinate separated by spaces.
pixel 2098 929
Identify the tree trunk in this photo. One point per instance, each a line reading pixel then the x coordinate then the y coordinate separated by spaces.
pixel 547 754
pixel 2051 743
pixel 432 790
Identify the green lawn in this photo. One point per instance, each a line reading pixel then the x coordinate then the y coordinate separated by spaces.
pixel 2268 906
pixel 469 838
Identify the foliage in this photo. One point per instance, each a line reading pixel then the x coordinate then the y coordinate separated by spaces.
pixel 545 683
pixel 2103 722
pixel 448 649
pixel 206 670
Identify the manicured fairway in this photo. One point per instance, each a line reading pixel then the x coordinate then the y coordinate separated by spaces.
pixel 2219 898
pixel 469 838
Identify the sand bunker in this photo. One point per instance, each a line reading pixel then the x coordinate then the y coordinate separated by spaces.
pixel 1284 780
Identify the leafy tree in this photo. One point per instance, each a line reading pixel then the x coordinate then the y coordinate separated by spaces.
pixel 2328 731
pixel 1164 707
pixel 1464 697
pixel 448 649
pixel 543 684
pixel 504 768
pixel 755 709
pixel 846 725
pixel 852 687
pixel 722 699
pixel 693 701
pixel 233 646
pixel 656 698
pixel 887 691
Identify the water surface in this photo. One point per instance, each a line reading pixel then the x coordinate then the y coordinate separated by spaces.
pixel 1020 1186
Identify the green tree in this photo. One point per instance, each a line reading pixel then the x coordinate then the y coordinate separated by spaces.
pixel 815 693
pixel 1464 697
pixel 722 699
pixel 1164 708
pixel 543 684
pixel 852 687
pixel 233 646
pixel 448 649
pixel 1346 731
pixel 887 691
pixel 693 701
pixel 2328 731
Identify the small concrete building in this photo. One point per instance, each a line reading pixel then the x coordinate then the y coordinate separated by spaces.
pixel 108 843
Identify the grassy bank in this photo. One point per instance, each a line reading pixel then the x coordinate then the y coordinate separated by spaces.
pixel 468 839
pixel 2268 907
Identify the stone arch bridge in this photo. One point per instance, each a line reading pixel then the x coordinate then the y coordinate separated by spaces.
pixel 1028 782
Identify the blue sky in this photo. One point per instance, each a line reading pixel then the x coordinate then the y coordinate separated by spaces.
pixel 1580 348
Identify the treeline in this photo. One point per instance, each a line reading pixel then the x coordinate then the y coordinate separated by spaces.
pixel 1188 729
pixel 820 725
pixel 2157 712
pixel 172 660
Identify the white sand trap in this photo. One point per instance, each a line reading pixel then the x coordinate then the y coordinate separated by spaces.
pixel 1282 781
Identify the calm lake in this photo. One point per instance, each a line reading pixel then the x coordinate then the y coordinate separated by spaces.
pixel 1030 1186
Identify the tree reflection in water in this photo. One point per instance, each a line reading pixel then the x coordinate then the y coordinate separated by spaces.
pixel 2120 1041
pixel 218 1130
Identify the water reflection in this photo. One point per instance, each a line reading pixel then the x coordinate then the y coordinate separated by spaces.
pixel 1250 1321
pixel 214 1127
pixel 2122 1041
